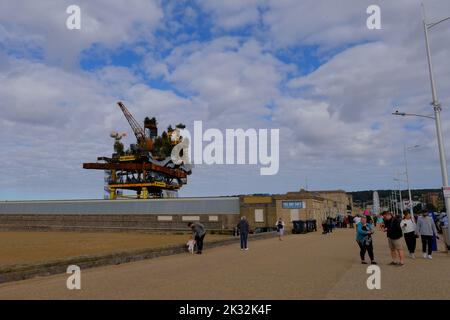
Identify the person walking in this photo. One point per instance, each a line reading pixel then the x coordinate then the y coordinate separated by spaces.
pixel 198 231
pixel 364 231
pixel 394 234
pixel 280 228
pixel 350 221
pixel 409 232
pixel 243 228
pixel 330 224
pixel 380 222
pixel 325 226
pixel 426 229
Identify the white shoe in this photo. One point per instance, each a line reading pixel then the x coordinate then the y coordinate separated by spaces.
pixel 425 256
pixel 413 256
pixel 242 249
pixel 430 257
pixel 247 249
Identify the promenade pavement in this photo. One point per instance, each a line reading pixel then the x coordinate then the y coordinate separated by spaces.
pixel 309 266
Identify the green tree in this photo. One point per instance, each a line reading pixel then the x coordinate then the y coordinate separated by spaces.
pixel 418 208
pixel 431 207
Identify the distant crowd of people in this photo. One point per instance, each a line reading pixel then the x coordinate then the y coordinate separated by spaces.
pixel 340 221
pixel 425 226
pixel 410 228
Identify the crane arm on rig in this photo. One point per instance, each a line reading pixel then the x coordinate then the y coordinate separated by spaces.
pixel 137 129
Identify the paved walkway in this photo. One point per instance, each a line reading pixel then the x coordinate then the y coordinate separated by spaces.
pixel 311 266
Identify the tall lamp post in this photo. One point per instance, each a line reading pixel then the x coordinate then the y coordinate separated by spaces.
pixel 411 210
pixel 436 106
pixel 394 197
pixel 400 194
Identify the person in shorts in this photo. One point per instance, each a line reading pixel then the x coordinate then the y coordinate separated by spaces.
pixel 394 233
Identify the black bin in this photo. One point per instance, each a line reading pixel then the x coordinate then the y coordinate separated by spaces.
pixel 311 225
pixel 299 226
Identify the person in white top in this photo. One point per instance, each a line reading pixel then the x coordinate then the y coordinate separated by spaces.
pixel 409 232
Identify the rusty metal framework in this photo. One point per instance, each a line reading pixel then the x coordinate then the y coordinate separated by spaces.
pixel 145 167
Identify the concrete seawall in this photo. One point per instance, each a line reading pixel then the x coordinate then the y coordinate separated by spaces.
pixel 109 222
pixel 216 213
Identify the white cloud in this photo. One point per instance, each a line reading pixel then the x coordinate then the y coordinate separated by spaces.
pixel 233 13
pixel 53 120
pixel 42 24
pixel 335 122
pixel 232 77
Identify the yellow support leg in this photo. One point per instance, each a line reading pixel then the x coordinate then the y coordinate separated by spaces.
pixel 144 193
pixel 112 194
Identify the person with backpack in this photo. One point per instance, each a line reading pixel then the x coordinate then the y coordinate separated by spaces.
pixel 364 231
pixel 394 234
pixel 280 228
pixel 243 228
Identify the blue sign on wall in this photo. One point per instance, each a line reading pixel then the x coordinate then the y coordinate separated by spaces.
pixel 293 205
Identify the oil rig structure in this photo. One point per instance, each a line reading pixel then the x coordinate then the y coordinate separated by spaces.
pixel 146 167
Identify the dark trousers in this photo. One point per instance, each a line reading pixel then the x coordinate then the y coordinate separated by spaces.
pixel 244 238
pixel 410 239
pixel 199 242
pixel 427 242
pixel 363 248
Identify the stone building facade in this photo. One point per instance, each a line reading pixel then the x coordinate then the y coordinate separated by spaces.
pixel 263 211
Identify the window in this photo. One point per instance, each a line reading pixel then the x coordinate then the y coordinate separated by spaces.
pixel 259 215
pixel 295 215
pixel 164 218
pixel 213 218
pixel 190 218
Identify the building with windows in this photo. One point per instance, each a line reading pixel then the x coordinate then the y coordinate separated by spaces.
pixel 263 211
pixel 434 198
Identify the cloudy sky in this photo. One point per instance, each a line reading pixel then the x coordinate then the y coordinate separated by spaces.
pixel 310 68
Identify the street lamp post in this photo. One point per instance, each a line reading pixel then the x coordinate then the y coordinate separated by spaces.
pixel 394 205
pixel 411 210
pixel 390 204
pixel 404 114
pixel 436 106
pixel 395 201
pixel 400 194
